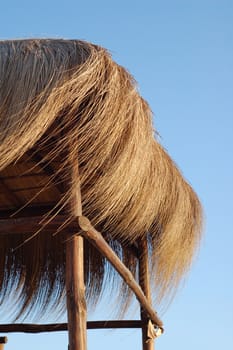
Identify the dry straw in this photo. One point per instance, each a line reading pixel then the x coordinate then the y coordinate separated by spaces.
pixel 57 95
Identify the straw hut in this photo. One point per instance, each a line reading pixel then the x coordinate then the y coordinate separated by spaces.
pixel 78 157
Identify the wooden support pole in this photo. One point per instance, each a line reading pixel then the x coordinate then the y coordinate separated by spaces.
pixel 75 290
pixel 144 281
pixel 75 287
pixel 3 341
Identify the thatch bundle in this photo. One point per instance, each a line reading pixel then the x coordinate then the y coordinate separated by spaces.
pixel 62 100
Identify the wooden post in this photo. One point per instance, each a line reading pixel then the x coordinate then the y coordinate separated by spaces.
pixel 144 281
pixel 3 341
pixel 75 287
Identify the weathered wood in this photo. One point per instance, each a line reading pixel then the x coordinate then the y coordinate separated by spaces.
pixel 14 199
pixel 75 286
pixel 75 289
pixel 61 327
pixel 3 341
pixel 24 212
pixel 144 281
pixel 99 242
pixel 33 224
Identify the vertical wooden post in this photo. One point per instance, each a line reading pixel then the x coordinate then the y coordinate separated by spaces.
pixel 75 286
pixel 144 281
pixel 75 289
pixel 3 341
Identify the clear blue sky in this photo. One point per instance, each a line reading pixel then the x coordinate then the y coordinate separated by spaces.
pixel 181 54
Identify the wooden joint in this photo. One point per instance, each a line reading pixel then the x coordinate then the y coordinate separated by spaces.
pixel 153 331
pixel 3 340
pixel 85 224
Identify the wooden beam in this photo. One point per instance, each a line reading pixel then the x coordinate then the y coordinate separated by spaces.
pixel 99 242
pixel 30 225
pixel 10 195
pixel 19 212
pixel 61 327
pixel 144 281
pixel 28 222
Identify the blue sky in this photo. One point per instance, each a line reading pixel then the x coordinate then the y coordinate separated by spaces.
pixel 181 54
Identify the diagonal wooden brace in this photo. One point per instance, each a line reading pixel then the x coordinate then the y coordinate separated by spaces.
pixel 96 238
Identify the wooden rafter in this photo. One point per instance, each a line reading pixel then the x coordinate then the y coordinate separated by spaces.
pixel 48 169
pixel 27 211
pixel 14 199
pixel 31 224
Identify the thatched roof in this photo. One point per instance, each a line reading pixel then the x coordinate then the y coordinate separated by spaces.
pixel 67 99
